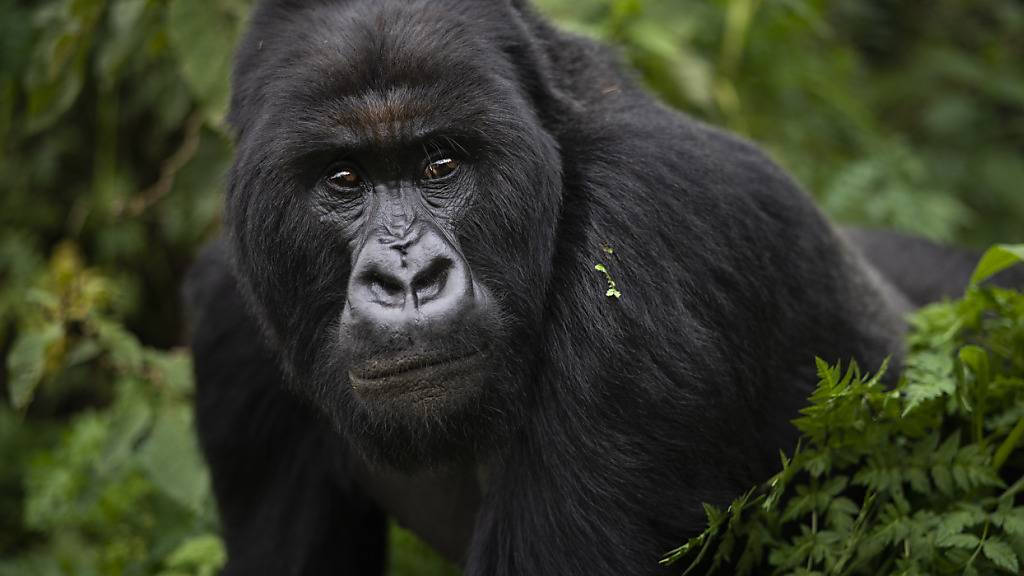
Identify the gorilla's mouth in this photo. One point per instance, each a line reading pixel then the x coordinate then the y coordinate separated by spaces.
pixel 418 371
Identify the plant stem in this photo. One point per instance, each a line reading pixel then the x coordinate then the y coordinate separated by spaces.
pixel 1006 448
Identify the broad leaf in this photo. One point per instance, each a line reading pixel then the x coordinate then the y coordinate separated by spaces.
pixel 996 259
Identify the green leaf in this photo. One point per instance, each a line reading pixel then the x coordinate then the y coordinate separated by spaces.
pixel 1000 554
pixel 122 345
pixel 997 259
pixel 943 479
pixel 841 514
pixel 929 375
pixel 976 359
pixel 59 65
pixel 408 555
pixel 203 35
pixel 171 459
pixel 85 350
pixel 26 363
pixel 129 419
pixel 612 291
pixel 172 371
pixel 957 541
pixel 123 37
pixel 956 522
pixel 1011 521
pixel 201 555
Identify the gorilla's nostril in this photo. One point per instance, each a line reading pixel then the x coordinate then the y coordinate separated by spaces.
pixel 430 281
pixel 424 281
pixel 386 289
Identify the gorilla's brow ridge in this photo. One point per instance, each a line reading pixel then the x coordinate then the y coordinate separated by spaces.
pixel 394 131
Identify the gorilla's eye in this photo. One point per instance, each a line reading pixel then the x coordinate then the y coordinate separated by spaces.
pixel 440 168
pixel 345 178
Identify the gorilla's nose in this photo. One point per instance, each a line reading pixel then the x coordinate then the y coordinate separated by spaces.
pixel 417 277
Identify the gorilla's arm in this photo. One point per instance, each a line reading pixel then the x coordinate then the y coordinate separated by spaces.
pixel 283 509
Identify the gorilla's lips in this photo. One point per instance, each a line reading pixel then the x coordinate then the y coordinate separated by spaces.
pixel 417 375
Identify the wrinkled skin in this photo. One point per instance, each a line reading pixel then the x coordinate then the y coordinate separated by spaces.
pixel 404 316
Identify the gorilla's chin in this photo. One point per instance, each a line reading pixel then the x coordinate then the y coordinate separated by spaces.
pixel 413 399
pixel 428 416
pixel 421 378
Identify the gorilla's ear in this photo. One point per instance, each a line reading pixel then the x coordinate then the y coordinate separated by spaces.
pixel 531 49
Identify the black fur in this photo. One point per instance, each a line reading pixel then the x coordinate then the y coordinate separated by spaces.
pixel 601 424
pixel 924 271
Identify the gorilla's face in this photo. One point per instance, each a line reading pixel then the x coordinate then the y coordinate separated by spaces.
pixel 393 207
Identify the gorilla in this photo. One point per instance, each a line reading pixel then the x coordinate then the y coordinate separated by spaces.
pixel 403 318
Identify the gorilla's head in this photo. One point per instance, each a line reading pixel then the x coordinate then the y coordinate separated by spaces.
pixel 393 207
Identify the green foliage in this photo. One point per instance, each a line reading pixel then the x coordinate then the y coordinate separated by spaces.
pixel 612 291
pixel 112 155
pixel 415 559
pixel 117 487
pixel 996 260
pixel 923 478
pixel 893 114
pixel 608 254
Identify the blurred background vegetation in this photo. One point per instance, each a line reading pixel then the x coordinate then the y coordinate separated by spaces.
pixel 897 113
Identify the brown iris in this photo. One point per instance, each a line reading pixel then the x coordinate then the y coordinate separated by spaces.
pixel 346 179
pixel 440 168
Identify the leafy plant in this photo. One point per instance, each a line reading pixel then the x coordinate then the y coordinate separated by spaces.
pixel 120 489
pixel 612 291
pixel 112 155
pixel 923 478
